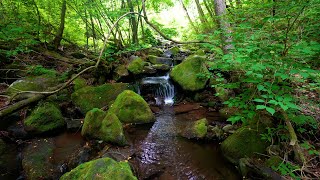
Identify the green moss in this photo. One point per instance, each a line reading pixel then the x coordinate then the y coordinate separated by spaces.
pixel 79 83
pixel 90 97
pixel 200 52
pixel 273 161
pixel 92 122
pixel 39 70
pixel 33 83
pixel 186 73
pixel 120 71
pixel 200 128
pixel 175 50
pixel 100 125
pixel 245 142
pixel 153 59
pixel 45 117
pixel 111 130
pixel 136 66
pixel 155 51
pixel 222 93
pixel 130 107
pixel 103 168
pixel 36 159
pixel 163 67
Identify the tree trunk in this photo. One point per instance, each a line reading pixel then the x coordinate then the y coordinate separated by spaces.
pixel 93 33
pixel 58 38
pixel 39 19
pixel 209 9
pixel 220 10
pixel 188 16
pixel 133 23
pixel 201 14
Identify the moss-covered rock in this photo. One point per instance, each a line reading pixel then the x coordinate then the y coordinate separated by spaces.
pixel 227 112
pixel 32 83
pixel 155 51
pixel 107 127
pixel 187 73
pixel 130 107
pixel 162 67
pixel 103 168
pixel 174 50
pixel 136 66
pixel 119 72
pixel 222 93
pixel 200 52
pixel 197 129
pixel 245 142
pixel 159 60
pixel 79 83
pixel 44 118
pixel 37 160
pixel 91 97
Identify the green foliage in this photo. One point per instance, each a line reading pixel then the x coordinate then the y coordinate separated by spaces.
pixel 40 70
pixel 286 168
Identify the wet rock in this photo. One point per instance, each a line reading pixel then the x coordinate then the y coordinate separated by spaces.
pixel 18 131
pixel 91 97
pixel 228 128
pixel 255 168
pixel 149 70
pixel 46 117
pixel 174 50
pixel 187 73
pixel 37 158
pixel 120 72
pixel 38 83
pixel 130 107
pixel 155 51
pixel 185 107
pixel 245 142
pixel 79 83
pixel 9 162
pixel 103 168
pixel 137 66
pixel 197 129
pixel 159 60
pixel 107 127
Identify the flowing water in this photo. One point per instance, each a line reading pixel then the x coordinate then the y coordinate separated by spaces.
pixel 162 154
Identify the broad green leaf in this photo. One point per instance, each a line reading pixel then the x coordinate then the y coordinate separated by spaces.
pixel 273 102
pixel 260 87
pixel 260 107
pixel 259 100
pixel 270 110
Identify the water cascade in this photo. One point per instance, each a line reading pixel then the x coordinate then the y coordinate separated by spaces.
pixel 162 89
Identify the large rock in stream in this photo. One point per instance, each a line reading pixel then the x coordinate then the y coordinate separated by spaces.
pixel 46 117
pixel 103 168
pixel 187 73
pixel 105 126
pixel 137 65
pixel 244 143
pixel 90 97
pixel 130 107
pixel 195 130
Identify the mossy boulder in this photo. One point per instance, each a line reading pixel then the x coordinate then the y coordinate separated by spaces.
pixel 107 127
pixel 137 66
pixel 130 107
pixel 37 160
pixel 174 50
pixel 155 51
pixel 45 117
pixel 200 52
pixel 79 83
pixel 103 168
pixel 196 130
pixel 90 97
pixel 32 83
pixel 163 67
pixel 159 60
pixel 244 143
pixel 187 73
pixel 119 72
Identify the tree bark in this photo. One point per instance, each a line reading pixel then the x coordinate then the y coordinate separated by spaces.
pixel 220 10
pixel 201 13
pixel 134 24
pixel 58 38
pixel 188 16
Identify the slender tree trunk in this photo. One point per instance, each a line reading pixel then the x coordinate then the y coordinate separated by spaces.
pixel 87 30
pixel 201 13
pixel 209 9
pixel 188 16
pixel 134 24
pixel 220 10
pixel 58 38
pixel 39 19
pixel 93 32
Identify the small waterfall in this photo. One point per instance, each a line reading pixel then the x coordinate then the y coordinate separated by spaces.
pixel 163 89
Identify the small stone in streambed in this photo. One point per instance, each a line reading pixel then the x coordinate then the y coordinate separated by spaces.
pixel 196 129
